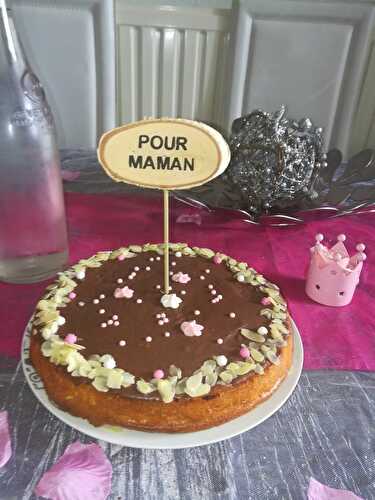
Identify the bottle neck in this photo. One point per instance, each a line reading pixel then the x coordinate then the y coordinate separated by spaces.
pixel 12 46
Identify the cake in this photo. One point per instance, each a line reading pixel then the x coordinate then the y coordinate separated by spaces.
pixel 112 347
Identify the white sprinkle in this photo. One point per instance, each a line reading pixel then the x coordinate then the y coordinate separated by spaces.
pixel 110 322
pixel 102 296
pixel 163 315
pixel 240 278
pixel 166 320
pixel 158 258
pixel 170 288
pixel 148 339
pixel 219 297
pixel 95 301
pixel 116 323
pixel 81 304
pixel 232 315
pixel 122 343
pixel 210 287
pixel 158 287
pixel 167 334
pixel 220 341
pixel 148 268
pixel 221 360
pixel 196 312
pixel 170 273
pixel 81 275
pixel 104 325
pixel 207 271
pixel 101 311
pixel 139 301
pixel 120 280
pixel 158 315
pixel 214 300
pixel 115 316
pixel 136 268
pixel 108 361
pixel 61 320
pixel 213 292
pixel 130 277
pixel 160 322
pixel 178 254
pixel 183 292
pixel 202 277
pixel 262 330
pixel 173 263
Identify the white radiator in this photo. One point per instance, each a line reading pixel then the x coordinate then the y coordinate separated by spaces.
pixel 171 62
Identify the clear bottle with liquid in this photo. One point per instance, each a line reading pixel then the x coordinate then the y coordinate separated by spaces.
pixel 33 235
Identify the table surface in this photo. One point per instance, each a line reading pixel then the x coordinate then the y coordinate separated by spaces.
pixel 325 430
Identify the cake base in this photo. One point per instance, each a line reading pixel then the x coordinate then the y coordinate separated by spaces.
pixel 222 404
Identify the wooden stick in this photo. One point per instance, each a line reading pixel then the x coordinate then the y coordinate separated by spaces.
pixel 166 240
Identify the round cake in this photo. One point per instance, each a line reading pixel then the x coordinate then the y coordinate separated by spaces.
pixel 112 347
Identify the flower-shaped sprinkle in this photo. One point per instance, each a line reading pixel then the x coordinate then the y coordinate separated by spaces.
pixel 181 277
pixel 170 300
pixel 124 292
pixel 191 328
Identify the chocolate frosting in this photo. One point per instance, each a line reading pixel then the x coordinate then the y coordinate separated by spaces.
pixel 138 320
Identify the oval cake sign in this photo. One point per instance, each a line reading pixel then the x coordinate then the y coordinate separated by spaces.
pixel 164 153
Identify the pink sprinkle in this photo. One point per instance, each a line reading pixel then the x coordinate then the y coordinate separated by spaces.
pixel 167 334
pixel 244 352
pixel 213 292
pixel 115 316
pixel 95 301
pixel 139 301
pixel 130 277
pixel 220 341
pixel 102 296
pixel 163 315
pixel 72 295
pixel 121 257
pixel 101 311
pixel 210 287
pixel 166 320
pixel 70 338
pixel 110 322
pixel 148 268
pixel 183 292
pixel 120 280
pixel 158 287
pixel 122 343
pixel 217 259
pixel 207 271
pixel 116 323
pixel 158 316
pixel 265 301
pixel 151 259
pixel 202 277
pixel 160 322
pixel 158 374
pixel 125 292
pixel 81 304
pixel 232 315
pixel 196 312
pixel 148 339
pixel 173 263
pixel 136 268
pixel 103 325
pixel 213 301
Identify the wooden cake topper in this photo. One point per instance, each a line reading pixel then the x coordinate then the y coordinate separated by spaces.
pixel 166 153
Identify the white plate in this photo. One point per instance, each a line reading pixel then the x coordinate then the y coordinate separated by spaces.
pixel 139 439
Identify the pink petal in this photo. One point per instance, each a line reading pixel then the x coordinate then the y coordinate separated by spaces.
pixel 319 491
pixel 68 175
pixel 82 473
pixel 5 445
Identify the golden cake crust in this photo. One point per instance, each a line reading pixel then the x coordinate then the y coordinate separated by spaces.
pixel 181 415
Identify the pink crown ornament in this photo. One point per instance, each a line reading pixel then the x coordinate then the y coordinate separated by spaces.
pixel 333 275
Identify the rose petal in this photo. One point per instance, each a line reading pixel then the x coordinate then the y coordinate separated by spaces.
pixel 5 445
pixel 82 473
pixel 319 491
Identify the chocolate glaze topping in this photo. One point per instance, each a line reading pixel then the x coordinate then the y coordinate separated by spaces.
pixel 138 320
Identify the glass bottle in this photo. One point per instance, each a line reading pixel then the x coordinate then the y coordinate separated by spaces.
pixel 33 236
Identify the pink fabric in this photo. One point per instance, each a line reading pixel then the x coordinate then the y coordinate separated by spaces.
pixel 319 491
pixel 336 338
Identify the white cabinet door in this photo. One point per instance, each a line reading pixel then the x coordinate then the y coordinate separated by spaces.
pixel 70 46
pixel 172 61
pixel 308 55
